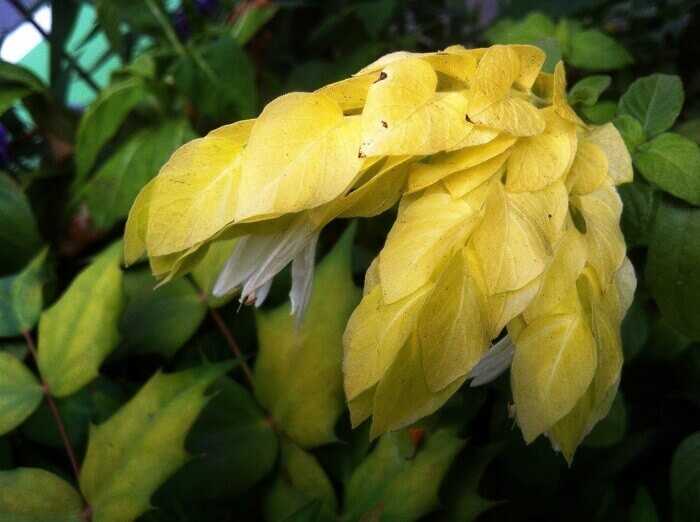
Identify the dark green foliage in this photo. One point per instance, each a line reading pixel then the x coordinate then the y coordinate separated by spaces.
pixel 153 395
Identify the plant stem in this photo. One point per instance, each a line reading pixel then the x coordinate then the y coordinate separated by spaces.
pixel 54 410
pixel 232 344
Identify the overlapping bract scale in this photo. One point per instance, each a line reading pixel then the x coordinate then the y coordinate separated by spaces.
pixel 507 230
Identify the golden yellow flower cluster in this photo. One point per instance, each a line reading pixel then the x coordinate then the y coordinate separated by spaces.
pixel 508 218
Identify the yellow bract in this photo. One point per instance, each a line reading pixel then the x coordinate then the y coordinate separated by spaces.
pixel 508 217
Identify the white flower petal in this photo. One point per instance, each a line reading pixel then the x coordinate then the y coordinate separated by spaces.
pixel 496 361
pixel 302 279
pixel 256 259
pixel 261 293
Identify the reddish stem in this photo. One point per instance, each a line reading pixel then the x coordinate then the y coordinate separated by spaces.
pixel 232 344
pixel 54 410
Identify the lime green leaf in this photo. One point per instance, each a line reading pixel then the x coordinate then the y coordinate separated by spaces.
pixel 159 320
pixel 643 509
pixel 655 101
pixel 301 481
pixel 80 329
pixel 685 480
pixel 671 162
pixel 110 193
pixel 631 131
pixel 298 376
pixel 395 478
pixel 102 119
pixel 602 112
pixel 35 495
pixel 610 430
pixel 129 456
pixel 640 201
pixel 595 50
pixel 19 234
pixel 672 266
pixel 21 297
pixel 535 26
pixel 588 90
pixel 233 447
pixel 20 393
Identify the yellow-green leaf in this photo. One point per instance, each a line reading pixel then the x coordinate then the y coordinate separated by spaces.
pixel 608 138
pixel 554 362
pixel 35 495
pixel 194 195
pixel 298 374
pixel 20 393
pixel 302 152
pixel 78 332
pixel 427 230
pixel 453 326
pixel 405 115
pixel 129 456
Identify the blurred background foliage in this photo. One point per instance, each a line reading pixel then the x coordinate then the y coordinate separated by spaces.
pixel 87 119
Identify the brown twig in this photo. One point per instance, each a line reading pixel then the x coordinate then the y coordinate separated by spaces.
pixel 232 344
pixel 54 410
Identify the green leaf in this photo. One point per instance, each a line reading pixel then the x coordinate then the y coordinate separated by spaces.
pixel 631 131
pixel 111 192
pixel 535 26
pixel 463 503
pixel 643 509
pixel 233 447
pixel 596 51
pixel 600 113
pixel 300 481
pixel 16 82
pixel 21 298
pixel 76 413
pixel 159 320
pixel 35 495
pixel 611 429
pixel 298 375
pixel 20 393
pixel 690 129
pixel 685 480
pixel 375 15
pixel 672 266
pixel 393 477
pixel 78 332
pixel 223 70
pixel 655 101
pixel 635 329
pixel 587 90
pixel 102 120
pixel 19 235
pixel 139 447
pixel 671 162
pixel 640 201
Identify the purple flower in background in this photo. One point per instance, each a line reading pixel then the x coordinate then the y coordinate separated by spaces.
pixel 487 9
pixel 207 7
pixel 181 24
pixel 4 145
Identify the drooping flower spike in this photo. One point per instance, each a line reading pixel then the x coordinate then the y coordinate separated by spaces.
pixel 508 220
